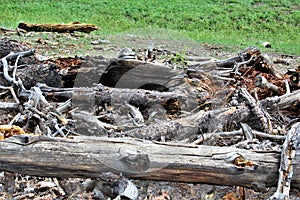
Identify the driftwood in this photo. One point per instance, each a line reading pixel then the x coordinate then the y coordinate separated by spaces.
pixel 60 28
pixel 89 156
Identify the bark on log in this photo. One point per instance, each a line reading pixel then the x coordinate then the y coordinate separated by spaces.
pixel 60 28
pixel 90 156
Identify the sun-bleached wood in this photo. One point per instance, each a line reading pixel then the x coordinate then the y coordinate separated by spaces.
pixel 90 156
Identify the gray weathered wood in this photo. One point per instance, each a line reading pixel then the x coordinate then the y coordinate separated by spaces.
pixel 90 156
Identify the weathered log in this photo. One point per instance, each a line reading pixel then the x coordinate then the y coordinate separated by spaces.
pixel 60 28
pixel 284 101
pixel 101 95
pixel 90 156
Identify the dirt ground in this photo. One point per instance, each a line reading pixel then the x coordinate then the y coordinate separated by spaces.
pixel 79 44
pixel 66 45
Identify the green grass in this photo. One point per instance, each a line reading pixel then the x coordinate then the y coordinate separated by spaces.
pixel 234 22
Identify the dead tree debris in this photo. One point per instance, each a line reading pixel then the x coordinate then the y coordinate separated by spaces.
pixel 234 104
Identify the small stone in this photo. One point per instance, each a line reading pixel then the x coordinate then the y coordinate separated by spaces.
pixel 41 58
pixel 267 44
pixel 127 53
pixel 234 102
pixel 275 131
pixel 100 41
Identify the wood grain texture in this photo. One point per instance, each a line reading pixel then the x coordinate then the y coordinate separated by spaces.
pixel 89 156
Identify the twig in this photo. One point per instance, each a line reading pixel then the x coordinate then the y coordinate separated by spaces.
pixel 59 130
pixel 247 131
pixel 5 70
pixel 60 189
pixel 138 119
pixel 39 96
pixel 224 78
pixel 237 65
pixel 10 56
pixel 16 118
pixel 53 111
pixel 287 87
pixel 64 106
pixel 7 104
pixel 16 67
pixel 207 136
pixel 90 118
pixel 72 132
pixel 36 111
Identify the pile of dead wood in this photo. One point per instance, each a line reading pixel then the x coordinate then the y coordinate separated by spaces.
pixel 226 122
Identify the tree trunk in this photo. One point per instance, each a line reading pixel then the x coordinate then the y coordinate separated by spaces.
pixel 89 156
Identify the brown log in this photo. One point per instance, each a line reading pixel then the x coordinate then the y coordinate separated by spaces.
pixel 90 156
pixel 60 28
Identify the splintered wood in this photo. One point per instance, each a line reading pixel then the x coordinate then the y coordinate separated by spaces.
pixel 219 122
pixel 289 148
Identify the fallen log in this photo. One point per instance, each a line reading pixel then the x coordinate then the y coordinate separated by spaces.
pixel 100 95
pixel 90 156
pixel 60 28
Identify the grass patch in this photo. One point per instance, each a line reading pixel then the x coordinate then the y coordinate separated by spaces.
pixel 235 22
